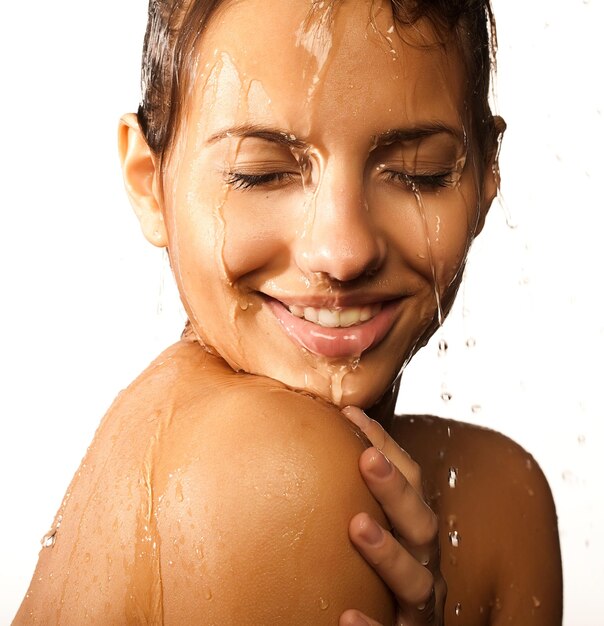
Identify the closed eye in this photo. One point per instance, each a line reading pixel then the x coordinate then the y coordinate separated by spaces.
pixel 239 180
pixel 422 182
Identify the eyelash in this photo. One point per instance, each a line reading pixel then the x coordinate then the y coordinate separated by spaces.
pixel 421 182
pixel 237 180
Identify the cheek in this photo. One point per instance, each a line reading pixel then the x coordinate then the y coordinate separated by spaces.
pixel 258 232
pixel 450 223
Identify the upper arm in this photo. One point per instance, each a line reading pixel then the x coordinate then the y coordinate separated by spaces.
pixel 504 566
pixel 255 513
pixel 529 583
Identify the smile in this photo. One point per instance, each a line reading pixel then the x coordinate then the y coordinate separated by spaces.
pixel 336 318
pixel 342 332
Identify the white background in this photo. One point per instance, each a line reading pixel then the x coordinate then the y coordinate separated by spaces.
pixel 86 303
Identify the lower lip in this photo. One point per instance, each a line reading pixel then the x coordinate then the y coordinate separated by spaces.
pixel 336 342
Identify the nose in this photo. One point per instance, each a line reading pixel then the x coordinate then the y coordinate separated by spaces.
pixel 341 237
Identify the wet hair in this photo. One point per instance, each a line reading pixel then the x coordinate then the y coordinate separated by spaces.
pixel 174 28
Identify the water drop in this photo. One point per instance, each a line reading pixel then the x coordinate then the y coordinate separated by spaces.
pixel 209 594
pixel 458 608
pixel 452 477
pixel 443 346
pixel 581 439
pixel 48 541
pixel 454 538
pixel 476 408
pixel 179 494
pixel 323 604
pixel 536 602
pixel 445 396
pixel 470 342
pixel 244 305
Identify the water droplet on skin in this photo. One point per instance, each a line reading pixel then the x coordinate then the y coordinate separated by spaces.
pixel 536 602
pixel 445 396
pixel 452 477
pixel 48 541
pixel 443 346
pixel 208 594
pixel 458 608
pixel 179 494
pixel 454 538
pixel 323 604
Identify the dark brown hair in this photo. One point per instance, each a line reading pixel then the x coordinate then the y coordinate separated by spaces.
pixel 175 26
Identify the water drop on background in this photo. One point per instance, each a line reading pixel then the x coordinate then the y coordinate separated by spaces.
pixel 458 608
pixel 443 346
pixel 454 538
pixel 470 342
pixel 445 396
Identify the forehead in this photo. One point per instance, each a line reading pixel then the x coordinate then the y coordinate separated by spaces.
pixel 319 66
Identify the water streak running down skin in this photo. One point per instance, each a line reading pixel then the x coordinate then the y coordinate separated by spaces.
pixel 435 282
pixel 337 374
pixel 316 37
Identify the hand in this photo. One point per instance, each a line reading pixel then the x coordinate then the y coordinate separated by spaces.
pixel 407 558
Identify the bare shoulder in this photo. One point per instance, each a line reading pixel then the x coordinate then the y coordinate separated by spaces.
pixel 209 496
pixel 500 545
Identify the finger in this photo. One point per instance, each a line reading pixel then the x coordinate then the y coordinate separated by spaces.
pixel 406 510
pixel 410 582
pixel 383 441
pixel 353 617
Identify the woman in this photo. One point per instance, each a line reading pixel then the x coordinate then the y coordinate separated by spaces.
pixel 317 172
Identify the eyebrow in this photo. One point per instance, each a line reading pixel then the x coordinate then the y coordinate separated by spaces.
pixel 281 137
pixel 418 132
pixel 289 140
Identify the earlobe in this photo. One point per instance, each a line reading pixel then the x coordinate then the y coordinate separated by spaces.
pixel 141 177
pixel 491 177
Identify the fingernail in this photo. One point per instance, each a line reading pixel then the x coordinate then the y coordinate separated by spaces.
pixel 380 465
pixel 371 532
pixel 356 416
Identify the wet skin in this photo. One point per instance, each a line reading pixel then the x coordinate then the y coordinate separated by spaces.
pixel 215 496
pixel 346 193
pixel 198 507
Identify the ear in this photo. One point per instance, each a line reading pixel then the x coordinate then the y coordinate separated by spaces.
pixel 491 178
pixel 141 178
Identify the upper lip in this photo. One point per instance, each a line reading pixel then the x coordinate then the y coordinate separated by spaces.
pixel 334 300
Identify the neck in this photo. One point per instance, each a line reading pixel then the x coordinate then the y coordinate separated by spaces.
pixel 383 410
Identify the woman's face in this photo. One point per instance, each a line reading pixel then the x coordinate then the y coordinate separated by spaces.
pixel 321 197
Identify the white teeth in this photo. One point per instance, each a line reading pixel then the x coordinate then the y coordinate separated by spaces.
pixel 312 315
pixel 336 318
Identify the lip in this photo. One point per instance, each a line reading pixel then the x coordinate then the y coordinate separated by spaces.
pixel 346 342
